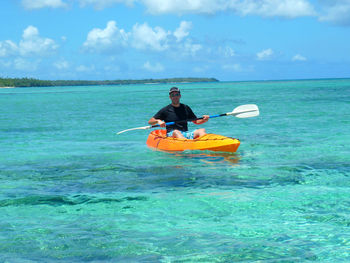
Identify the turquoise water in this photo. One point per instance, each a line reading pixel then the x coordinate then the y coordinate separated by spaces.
pixel 71 190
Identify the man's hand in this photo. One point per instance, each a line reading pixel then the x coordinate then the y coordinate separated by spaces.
pixel 161 123
pixel 153 121
pixel 205 118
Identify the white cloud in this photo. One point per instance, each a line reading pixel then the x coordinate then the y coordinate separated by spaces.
pixel 106 39
pixel 183 30
pixel 299 58
pixel 273 8
pixel 30 32
pixel 189 48
pixel 37 4
pixel 336 12
pixel 101 4
pixel 30 44
pixel 141 37
pixel 26 54
pixel 33 44
pixel 267 8
pixel 265 54
pixel 145 37
pixel 153 68
pixel 180 6
pixel 7 48
pixel 61 65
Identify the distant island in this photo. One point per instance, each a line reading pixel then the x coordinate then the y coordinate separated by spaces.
pixel 30 82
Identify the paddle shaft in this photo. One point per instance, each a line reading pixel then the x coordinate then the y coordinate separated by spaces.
pixel 210 117
pixel 243 111
pixel 173 122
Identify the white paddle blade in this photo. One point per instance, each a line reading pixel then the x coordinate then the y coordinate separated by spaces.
pixel 245 111
pixel 138 128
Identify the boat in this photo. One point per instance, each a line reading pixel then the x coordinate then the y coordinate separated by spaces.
pixel 209 142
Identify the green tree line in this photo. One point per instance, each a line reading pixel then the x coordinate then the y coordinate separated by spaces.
pixel 30 82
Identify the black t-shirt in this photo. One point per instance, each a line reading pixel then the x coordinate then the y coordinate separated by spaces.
pixel 170 113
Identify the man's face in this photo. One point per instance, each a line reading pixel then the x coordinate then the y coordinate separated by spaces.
pixel 175 97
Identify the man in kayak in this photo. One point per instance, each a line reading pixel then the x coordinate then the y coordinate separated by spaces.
pixel 175 112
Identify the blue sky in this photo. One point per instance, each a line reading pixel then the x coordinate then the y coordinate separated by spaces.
pixel 231 40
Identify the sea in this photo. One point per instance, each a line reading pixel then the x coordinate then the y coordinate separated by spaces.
pixel 72 190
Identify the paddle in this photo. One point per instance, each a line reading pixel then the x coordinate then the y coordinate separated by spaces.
pixel 243 111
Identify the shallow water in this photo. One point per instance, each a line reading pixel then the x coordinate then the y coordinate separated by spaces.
pixel 72 190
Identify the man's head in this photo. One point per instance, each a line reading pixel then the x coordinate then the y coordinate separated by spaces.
pixel 175 95
pixel 174 89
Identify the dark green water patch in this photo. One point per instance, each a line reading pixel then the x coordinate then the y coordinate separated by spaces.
pixel 63 200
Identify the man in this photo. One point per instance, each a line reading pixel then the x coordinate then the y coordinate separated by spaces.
pixel 176 112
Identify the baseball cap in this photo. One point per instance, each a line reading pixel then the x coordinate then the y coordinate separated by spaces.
pixel 174 89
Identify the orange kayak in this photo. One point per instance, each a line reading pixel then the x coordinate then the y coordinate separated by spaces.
pixel 210 142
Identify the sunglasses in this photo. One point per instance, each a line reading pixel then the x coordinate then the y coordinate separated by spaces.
pixel 175 95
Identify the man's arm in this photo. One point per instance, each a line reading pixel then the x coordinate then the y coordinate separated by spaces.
pixel 192 116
